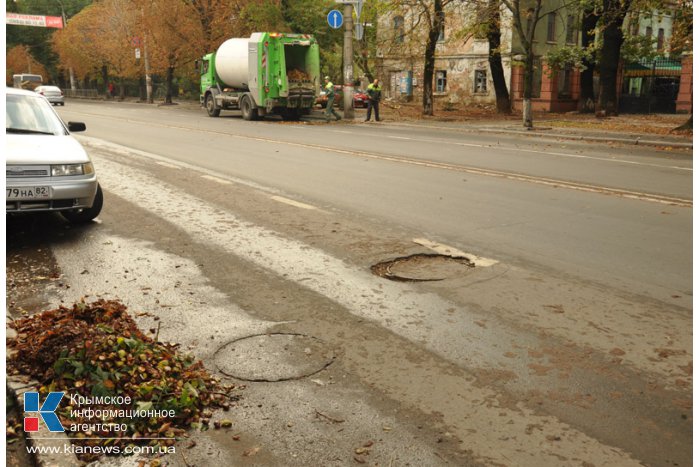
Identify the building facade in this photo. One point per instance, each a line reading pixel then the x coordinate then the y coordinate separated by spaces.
pixel 462 74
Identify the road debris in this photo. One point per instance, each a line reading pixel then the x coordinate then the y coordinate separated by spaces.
pixel 147 392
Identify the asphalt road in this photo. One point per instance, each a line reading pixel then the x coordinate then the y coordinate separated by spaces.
pixel 569 342
pixel 454 186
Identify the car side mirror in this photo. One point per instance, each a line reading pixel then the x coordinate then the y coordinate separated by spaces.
pixel 76 126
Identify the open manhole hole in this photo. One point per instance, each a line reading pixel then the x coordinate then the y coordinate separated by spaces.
pixel 273 357
pixel 423 267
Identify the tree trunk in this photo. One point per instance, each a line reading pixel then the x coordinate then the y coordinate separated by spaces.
pixel 495 63
pixel 430 47
pixel 586 101
pixel 169 85
pixel 688 125
pixel 528 74
pixel 613 16
pixel 105 78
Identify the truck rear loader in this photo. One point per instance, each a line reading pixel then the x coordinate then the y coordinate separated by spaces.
pixel 268 73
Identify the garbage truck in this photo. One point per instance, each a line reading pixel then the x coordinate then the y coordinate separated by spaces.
pixel 268 73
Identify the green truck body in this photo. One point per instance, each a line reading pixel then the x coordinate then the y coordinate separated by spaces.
pixel 268 73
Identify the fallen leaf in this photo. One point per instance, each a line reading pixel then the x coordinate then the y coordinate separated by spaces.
pixel 251 452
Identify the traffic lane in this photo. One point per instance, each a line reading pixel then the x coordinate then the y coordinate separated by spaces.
pixel 665 176
pixel 660 176
pixel 405 310
pixel 637 246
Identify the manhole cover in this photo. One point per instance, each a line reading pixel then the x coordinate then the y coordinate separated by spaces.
pixel 273 357
pixel 423 267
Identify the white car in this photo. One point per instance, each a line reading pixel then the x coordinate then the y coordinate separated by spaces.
pixel 52 93
pixel 46 169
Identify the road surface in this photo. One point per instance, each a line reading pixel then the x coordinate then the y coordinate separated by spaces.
pixel 568 342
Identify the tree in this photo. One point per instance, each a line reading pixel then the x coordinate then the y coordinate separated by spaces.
pixel 172 32
pixel 426 17
pixel 589 21
pixel 20 60
pixel 493 34
pixel 611 20
pixel 526 33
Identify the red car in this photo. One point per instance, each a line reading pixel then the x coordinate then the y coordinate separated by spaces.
pixel 359 98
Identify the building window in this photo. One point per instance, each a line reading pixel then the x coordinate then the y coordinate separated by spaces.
pixel 441 81
pixel 649 31
pixel 398 30
pixel 537 78
pixel 571 29
pixel 660 40
pixel 480 84
pixel 441 18
pixel 551 27
pixel 564 84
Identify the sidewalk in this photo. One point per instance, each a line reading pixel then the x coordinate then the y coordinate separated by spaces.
pixel 648 130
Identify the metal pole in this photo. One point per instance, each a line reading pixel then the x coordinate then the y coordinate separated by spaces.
pixel 348 89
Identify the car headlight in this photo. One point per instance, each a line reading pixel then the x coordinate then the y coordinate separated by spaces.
pixel 64 170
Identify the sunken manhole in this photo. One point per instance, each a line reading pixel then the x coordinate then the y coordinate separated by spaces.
pixel 273 357
pixel 423 267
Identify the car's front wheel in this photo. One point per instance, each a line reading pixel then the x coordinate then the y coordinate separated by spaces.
pixel 81 216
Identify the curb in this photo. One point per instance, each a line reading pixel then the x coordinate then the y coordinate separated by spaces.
pixel 17 386
pixel 615 139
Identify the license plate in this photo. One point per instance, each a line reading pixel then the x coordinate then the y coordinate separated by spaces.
pixel 28 192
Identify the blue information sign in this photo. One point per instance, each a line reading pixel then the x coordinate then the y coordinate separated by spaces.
pixel 335 19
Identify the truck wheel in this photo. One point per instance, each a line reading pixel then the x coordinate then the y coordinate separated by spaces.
pixel 247 109
pixel 212 110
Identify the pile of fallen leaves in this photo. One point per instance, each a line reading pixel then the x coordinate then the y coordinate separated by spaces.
pixel 96 350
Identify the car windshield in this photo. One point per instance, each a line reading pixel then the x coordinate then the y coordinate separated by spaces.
pixel 31 114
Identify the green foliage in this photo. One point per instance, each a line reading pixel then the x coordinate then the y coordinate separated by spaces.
pixel 637 47
pixel 264 16
pixel 570 55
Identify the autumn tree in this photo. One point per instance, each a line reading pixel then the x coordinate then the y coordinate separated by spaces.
pixel 173 34
pixel 526 16
pixel 422 22
pixel 20 60
pixel 218 20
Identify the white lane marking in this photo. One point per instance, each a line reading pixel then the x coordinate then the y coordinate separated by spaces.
pixel 216 179
pixel 168 165
pixel 291 202
pixel 452 251
pixel 394 306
